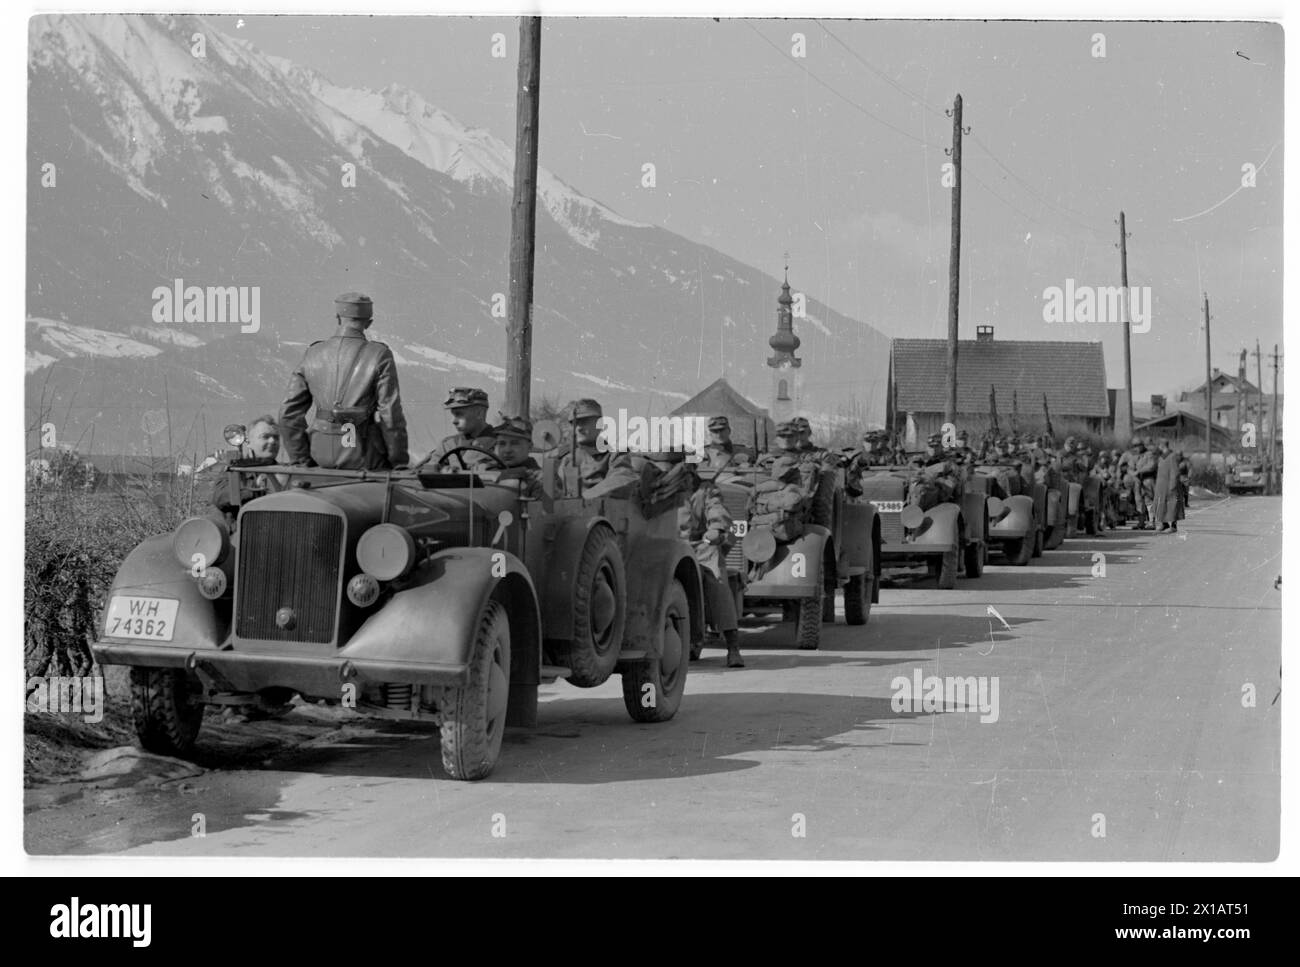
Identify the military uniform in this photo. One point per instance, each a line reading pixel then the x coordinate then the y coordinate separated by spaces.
pixel 484 439
pixel 586 463
pixel 251 486
pixel 725 453
pixel 353 382
pixel 527 471
pixel 937 478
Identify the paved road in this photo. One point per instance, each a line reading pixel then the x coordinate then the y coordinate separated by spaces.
pixel 1120 711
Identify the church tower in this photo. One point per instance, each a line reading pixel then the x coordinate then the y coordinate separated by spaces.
pixel 786 391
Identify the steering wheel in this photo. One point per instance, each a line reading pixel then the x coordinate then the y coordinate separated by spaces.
pixel 464 467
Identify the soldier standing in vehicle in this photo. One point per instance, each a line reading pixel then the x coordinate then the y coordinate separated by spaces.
pixel 359 423
pixel 468 406
pixel 810 450
pixel 720 451
pixel 583 460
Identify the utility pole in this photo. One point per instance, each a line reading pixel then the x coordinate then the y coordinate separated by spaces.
pixel 1259 397
pixel 523 222
pixel 1125 417
pixel 1272 430
pixel 954 263
pixel 1241 379
pixel 1209 388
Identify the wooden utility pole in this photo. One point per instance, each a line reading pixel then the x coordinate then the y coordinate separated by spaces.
pixel 1125 431
pixel 523 222
pixel 1241 379
pixel 1272 430
pixel 1209 387
pixel 1259 394
pixel 954 264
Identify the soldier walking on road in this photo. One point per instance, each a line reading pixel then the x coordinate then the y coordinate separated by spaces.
pixel 359 423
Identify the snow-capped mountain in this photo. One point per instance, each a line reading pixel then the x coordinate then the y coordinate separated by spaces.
pixel 164 154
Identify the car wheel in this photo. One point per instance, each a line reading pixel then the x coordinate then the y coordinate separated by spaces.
pixel 474 717
pixel 808 627
pixel 599 611
pixel 166 710
pixel 974 559
pixel 653 687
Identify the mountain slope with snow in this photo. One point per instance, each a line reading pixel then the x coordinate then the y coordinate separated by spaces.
pixel 235 168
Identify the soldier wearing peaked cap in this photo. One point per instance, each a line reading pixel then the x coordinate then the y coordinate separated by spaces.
pixel 514 439
pixel 585 461
pixel 468 407
pixel 720 450
pixel 352 381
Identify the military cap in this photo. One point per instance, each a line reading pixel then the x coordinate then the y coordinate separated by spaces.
pixel 465 396
pixel 801 423
pixel 788 428
pixel 581 409
pixel 354 305
pixel 517 427
pixel 719 423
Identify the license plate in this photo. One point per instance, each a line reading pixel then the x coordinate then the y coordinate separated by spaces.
pixel 153 619
pixel 1246 473
pixel 888 506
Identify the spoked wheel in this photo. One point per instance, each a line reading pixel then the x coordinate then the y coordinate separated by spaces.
pixel 599 611
pixel 474 717
pixel 653 688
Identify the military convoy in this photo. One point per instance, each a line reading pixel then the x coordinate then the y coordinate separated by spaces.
pixel 433 595
pixel 450 594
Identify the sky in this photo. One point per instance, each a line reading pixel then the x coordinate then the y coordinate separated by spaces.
pixel 837 156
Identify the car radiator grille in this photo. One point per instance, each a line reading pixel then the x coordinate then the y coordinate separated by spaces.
pixel 737 505
pixel 288 560
pixel 891 528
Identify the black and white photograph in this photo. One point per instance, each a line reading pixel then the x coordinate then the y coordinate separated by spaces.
pixel 770 436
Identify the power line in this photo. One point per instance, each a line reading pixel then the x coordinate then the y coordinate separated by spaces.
pixel 937 111
pixel 1043 199
pixel 847 100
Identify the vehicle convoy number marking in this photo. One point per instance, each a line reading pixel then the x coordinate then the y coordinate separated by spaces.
pixel 888 506
pixel 132 617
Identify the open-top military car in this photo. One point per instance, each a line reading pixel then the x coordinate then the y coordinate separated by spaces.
pixel 793 566
pixel 1246 477
pixel 950 535
pixel 437 596
pixel 1015 511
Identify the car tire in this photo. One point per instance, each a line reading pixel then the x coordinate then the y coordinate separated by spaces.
pixel 808 623
pixel 474 717
pixel 166 710
pixel 974 559
pixel 653 687
pixel 828 606
pixel 599 611
pixel 1037 550
pixel 857 599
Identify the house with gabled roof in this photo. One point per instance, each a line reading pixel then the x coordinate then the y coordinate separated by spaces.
pixel 1071 376
pixel 720 398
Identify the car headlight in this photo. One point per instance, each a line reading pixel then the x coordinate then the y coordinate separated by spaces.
pixel 758 545
pixel 997 509
pixel 200 542
pixel 386 551
pixel 363 590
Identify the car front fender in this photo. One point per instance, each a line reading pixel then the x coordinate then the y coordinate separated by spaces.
pixel 1018 522
pixel 796 570
pixel 941 528
pixel 151 570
